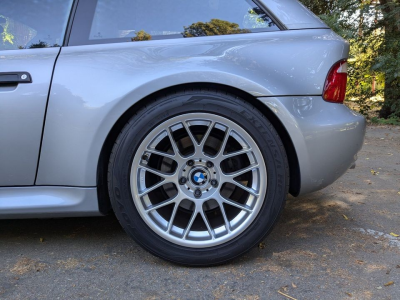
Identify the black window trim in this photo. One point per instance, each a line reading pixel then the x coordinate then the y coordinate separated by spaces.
pixel 274 19
pixel 82 16
pixel 70 23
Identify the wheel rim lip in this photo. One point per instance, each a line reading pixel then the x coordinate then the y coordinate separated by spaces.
pixel 262 178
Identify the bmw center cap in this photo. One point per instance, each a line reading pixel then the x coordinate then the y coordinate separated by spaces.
pixel 199 177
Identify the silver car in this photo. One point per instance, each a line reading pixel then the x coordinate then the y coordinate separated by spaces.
pixel 190 120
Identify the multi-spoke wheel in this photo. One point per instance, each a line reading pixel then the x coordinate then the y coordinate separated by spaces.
pixel 198 182
pixel 198 179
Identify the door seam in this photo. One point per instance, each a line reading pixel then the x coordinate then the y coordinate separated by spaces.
pixel 45 116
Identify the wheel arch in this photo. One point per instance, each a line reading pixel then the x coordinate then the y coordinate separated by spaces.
pixel 102 186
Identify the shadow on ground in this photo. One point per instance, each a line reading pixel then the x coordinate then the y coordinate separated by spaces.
pixel 301 217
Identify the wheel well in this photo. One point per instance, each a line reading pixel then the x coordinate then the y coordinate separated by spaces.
pixel 102 186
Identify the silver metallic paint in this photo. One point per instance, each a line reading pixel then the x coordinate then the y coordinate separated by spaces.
pixel 47 202
pixel 94 85
pixel 22 110
pixel 327 137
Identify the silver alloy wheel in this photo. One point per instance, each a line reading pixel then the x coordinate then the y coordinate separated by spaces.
pixel 198 180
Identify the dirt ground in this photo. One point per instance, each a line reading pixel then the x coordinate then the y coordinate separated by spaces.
pixel 333 244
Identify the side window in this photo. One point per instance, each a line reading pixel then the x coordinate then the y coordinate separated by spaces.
pixel 140 20
pixel 27 24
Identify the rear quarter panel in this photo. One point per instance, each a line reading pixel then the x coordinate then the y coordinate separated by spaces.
pixel 94 85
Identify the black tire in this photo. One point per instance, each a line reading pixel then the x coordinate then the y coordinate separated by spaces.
pixel 206 101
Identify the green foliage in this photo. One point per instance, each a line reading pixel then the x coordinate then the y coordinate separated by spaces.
pixel 373 29
pixel 214 27
pixel 253 19
pixel 6 36
pixel 362 77
pixel 389 121
pixel 141 36
pixel 40 44
pixel 257 18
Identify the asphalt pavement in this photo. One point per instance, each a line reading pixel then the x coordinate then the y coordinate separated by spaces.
pixel 338 243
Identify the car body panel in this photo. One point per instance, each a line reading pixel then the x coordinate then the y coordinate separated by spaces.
pixel 327 137
pixel 45 202
pixel 80 116
pixel 22 111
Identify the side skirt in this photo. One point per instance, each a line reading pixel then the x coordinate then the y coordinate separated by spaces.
pixel 48 202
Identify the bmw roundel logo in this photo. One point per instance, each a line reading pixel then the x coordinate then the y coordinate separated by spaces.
pixel 199 178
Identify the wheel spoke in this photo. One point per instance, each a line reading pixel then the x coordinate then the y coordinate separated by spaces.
pixel 192 138
pixel 173 143
pixel 223 212
pixel 237 205
pixel 224 142
pixel 171 220
pixel 156 186
pixel 237 153
pixel 207 223
pixel 247 189
pixel 155 172
pixel 242 171
pixel 207 134
pixel 153 151
pixel 189 226
pixel 160 205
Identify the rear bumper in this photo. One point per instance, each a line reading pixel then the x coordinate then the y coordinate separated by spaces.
pixel 326 136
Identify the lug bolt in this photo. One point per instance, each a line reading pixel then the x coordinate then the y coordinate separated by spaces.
pixel 214 182
pixel 190 163
pixel 182 180
pixel 197 193
pixel 209 164
pixel 145 157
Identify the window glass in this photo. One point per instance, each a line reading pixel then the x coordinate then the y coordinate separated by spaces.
pixel 145 20
pixel 26 24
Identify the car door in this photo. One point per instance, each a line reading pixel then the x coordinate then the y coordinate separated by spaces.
pixel 31 35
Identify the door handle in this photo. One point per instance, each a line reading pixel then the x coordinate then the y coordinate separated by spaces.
pixel 13 78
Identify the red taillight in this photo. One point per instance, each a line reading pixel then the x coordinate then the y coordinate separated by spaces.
pixel 336 82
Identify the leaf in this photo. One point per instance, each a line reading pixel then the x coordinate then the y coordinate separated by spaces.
pixel 261 245
pixel 393 234
pixel 389 283
pixel 373 172
pixel 346 218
